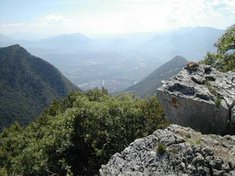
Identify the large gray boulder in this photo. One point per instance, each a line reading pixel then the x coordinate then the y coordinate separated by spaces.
pixel 200 97
pixel 175 151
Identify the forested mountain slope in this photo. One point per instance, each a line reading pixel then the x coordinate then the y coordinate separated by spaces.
pixel 27 85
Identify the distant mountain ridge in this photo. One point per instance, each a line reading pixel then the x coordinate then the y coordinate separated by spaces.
pixel 27 85
pixel 5 41
pixel 189 42
pixel 123 59
pixel 66 41
pixel 149 84
pixel 192 43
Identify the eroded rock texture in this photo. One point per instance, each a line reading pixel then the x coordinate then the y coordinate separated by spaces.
pixel 175 151
pixel 202 98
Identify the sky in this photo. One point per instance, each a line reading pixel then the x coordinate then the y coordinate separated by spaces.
pixel 44 18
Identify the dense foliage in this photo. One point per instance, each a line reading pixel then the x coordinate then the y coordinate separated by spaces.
pixel 27 85
pixel 76 136
pixel 224 58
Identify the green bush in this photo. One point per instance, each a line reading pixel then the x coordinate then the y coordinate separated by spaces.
pixel 224 58
pixel 161 149
pixel 79 134
pixel 218 101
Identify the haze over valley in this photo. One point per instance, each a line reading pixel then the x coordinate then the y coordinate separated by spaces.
pixel 118 61
pixel 114 44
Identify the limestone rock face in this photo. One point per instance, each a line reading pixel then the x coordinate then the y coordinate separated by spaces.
pixel 200 97
pixel 175 151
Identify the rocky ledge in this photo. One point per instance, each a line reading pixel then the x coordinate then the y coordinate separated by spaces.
pixel 200 97
pixel 175 151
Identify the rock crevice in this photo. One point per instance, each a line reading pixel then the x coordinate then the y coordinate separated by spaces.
pixel 175 151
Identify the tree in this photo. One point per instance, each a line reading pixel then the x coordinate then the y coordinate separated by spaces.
pixel 76 136
pixel 224 58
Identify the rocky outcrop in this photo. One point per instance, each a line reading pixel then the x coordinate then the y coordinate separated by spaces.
pixel 200 97
pixel 175 151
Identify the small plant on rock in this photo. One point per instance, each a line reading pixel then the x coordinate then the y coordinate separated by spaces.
pixel 161 149
pixel 218 101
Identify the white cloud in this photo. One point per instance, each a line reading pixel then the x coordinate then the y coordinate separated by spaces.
pixel 52 19
pixel 133 16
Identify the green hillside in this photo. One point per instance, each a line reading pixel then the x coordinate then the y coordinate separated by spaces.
pixel 78 135
pixel 27 85
pixel 150 83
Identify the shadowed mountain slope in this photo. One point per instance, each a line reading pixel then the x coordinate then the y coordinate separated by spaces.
pixel 149 84
pixel 27 85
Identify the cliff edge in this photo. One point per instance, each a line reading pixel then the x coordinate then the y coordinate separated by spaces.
pixel 200 97
pixel 176 150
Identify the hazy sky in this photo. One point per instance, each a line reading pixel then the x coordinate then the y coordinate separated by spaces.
pixel 91 17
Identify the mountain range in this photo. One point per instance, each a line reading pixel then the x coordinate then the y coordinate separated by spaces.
pixel 27 85
pixel 149 84
pixel 192 43
pixel 194 40
pixel 117 62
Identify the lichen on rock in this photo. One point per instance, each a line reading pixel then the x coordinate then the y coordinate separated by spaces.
pixel 186 152
pixel 200 97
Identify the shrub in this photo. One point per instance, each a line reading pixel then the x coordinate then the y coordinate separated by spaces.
pixel 79 134
pixel 161 149
pixel 224 58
